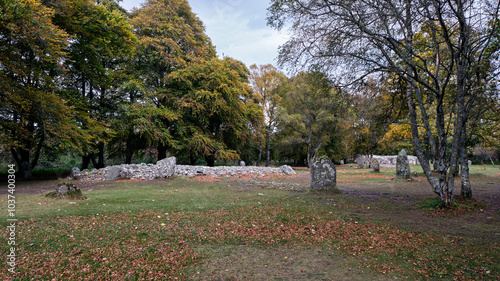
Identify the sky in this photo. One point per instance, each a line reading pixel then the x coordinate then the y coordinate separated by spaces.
pixel 237 28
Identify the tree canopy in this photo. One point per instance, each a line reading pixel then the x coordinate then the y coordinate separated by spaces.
pixel 88 79
pixel 171 38
pixel 310 111
pixel 355 40
pixel 33 110
pixel 267 82
pixel 213 99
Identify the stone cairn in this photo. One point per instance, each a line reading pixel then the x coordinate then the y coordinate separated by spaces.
pixel 167 168
pixel 66 190
pixel 324 175
pixel 191 171
pixel 390 159
pixel 403 166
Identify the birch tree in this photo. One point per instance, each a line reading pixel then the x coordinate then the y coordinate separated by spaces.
pixel 354 40
pixel 266 81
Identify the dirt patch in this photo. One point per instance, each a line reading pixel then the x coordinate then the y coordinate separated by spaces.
pixel 278 263
pixel 374 176
pixel 207 179
pixel 129 180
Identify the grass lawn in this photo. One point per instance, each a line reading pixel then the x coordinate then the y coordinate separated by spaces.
pixel 378 228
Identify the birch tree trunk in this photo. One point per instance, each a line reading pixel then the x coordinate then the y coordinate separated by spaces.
pixel 268 146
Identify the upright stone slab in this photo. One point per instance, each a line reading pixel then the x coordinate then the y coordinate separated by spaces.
pixel 341 162
pixel 403 165
pixel 242 163
pixel 166 167
pixel 361 162
pixel 375 166
pixel 113 172
pixel 75 173
pixel 287 170
pixel 323 175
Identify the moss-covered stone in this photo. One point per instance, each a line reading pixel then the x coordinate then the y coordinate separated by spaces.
pixel 66 190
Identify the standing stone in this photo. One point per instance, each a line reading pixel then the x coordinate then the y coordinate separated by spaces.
pixel 341 162
pixel 361 162
pixel 469 163
pixel 166 167
pixel 75 173
pixel 242 163
pixel 287 170
pixel 323 175
pixel 113 173
pixel 375 166
pixel 403 165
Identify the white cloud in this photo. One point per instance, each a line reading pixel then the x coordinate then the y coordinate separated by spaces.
pixel 237 28
pixel 235 37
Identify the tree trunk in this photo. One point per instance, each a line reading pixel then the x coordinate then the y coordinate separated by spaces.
pixel 23 162
pixel 268 147
pixel 37 151
pixel 26 171
pixel 85 162
pixel 410 87
pixel 461 57
pixel 210 160
pixel 23 155
pixel 309 159
pixel 192 159
pixel 424 161
pixel 129 151
pixel 100 155
pixel 466 188
pixel 92 159
pixel 162 152
pixel 260 158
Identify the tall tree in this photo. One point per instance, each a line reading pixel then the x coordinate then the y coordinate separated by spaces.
pixel 309 109
pixel 100 36
pixel 33 111
pixel 215 115
pixel 374 110
pixel 359 38
pixel 171 37
pixel 266 81
pixel 483 104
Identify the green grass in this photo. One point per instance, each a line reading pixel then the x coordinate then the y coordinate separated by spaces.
pixel 431 203
pixel 180 195
pixel 189 230
pixel 475 170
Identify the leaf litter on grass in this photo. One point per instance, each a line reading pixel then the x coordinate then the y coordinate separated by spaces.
pixel 168 242
pixel 149 244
